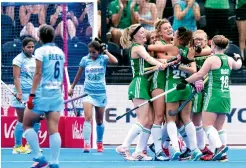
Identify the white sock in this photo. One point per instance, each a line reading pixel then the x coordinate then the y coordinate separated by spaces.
pixel 172 132
pixel 213 136
pixel 191 134
pixel 143 140
pixel 165 137
pixel 132 134
pixel 200 137
pixel 157 137
pixel 223 137
pixel 184 136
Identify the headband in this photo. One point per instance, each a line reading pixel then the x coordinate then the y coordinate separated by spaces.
pixel 135 31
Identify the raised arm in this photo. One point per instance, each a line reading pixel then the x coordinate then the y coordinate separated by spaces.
pixel 202 72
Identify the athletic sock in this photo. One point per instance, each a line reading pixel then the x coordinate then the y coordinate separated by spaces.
pixel 18 134
pixel 87 132
pixel 213 136
pixel 55 146
pixel 100 132
pixel 172 132
pixel 132 134
pixel 184 136
pixel 191 134
pixel 200 136
pixel 143 140
pixel 157 137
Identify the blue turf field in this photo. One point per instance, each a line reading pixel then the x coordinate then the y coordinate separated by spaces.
pixel 75 158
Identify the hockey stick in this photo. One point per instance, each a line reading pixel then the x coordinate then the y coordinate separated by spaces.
pixel 181 107
pixel 69 85
pixel 11 91
pixel 146 102
pixel 76 98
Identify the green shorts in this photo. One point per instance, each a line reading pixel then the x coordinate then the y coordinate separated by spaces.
pixel 176 95
pixel 197 103
pixel 217 104
pixel 139 88
pixel 158 81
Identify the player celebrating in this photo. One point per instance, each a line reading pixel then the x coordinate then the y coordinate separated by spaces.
pixel 46 97
pixel 23 71
pixel 94 65
pixel 217 100
pixel 138 91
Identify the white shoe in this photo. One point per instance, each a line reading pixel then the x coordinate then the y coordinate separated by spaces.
pixel 125 153
pixel 141 156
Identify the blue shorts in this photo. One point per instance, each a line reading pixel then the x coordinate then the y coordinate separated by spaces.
pixel 16 104
pixel 96 100
pixel 48 104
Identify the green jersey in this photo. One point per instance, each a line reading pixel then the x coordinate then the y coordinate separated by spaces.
pixel 158 81
pixel 174 77
pixel 139 86
pixel 217 97
pixel 217 4
pixel 200 61
pixel 240 3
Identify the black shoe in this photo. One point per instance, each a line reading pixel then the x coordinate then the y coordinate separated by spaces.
pixel 152 147
pixel 186 155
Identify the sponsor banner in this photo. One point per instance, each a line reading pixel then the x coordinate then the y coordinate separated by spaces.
pixel 118 103
pixel 70 128
pixel 73 132
pixel 8 127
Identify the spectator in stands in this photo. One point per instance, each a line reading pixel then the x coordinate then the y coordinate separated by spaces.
pixel 241 24
pixel 56 21
pixel 186 13
pixel 31 17
pixel 7 24
pixel 119 11
pixel 146 15
pixel 217 12
pixel 165 8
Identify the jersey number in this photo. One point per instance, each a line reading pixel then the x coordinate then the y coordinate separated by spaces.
pixel 224 82
pixel 57 70
pixel 177 74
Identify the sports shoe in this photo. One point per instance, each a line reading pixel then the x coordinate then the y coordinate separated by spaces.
pixel 195 154
pixel 223 158
pixel 28 148
pixel 53 166
pixel 205 151
pixel 140 156
pixel 125 153
pixel 166 151
pixel 100 147
pixel 161 156
pixel 152 147
pixel 219 151
pixel 20 150
pixel 40 162
pixel 175 154
pixel 208 156
pixel 87 148
pixel 186 155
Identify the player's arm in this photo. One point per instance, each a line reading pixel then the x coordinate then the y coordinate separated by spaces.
pixel 205 51
pixel 77 77
pixel 192 68
pixel 141 52
pixel 202 72
pixel 16 75
pixel 163 48
pixel 236 62
pixel 37 76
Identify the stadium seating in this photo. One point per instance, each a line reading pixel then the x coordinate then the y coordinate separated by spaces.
pixel 232 48
pixel 6 29
pixel 126 59
pixel 115 50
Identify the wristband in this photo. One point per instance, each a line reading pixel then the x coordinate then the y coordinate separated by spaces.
pixel 32 95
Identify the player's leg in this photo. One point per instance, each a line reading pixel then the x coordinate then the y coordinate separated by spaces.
pixel 190 131
pixel 18 148
pixel 145 121
pixel 88 108
pixel 156 131
pixel 222 134
pixel 100 127
pixel 172 129
pixel 54 137
pixel 32 138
